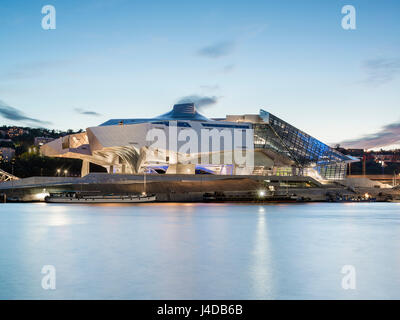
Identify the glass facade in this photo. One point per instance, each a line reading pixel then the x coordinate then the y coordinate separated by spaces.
pixel 304 150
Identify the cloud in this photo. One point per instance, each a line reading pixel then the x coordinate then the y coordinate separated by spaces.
pixel 87 112
pixel 32 69
pixel 199 101
pixel 251 31
pixel 388 135
pixel 14 114
pixel 381 70
pixel 210 87
pixel 228 68
pixel 217 50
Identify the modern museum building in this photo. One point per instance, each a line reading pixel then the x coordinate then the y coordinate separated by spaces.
pixel 182 141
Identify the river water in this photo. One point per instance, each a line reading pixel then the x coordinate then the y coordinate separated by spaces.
pixel 200 251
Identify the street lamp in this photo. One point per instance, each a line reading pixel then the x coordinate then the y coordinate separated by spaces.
pixel 65 172
pixel 58 172
pixel 383 166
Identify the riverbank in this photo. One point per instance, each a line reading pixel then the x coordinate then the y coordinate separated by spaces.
pixel 199 188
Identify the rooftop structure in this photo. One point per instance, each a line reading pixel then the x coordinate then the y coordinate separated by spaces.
pixel 39 141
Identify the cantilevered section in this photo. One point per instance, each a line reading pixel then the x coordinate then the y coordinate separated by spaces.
pixel 5 176
pixel 305 151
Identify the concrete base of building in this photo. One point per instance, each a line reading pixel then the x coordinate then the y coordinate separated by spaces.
pixel 178 187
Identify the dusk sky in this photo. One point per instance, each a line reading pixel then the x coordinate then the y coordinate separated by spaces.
pixel 135 59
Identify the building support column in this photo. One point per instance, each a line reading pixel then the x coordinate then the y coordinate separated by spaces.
pixel 85 168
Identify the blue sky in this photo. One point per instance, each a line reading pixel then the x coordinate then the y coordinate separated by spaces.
pixel 127 59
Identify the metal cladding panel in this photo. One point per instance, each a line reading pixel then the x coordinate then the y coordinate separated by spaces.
pixel 183 111
pixel 119 135
pixel 71 146
pixel 52 148
pixel 298 145
pixel 264 115
pixel 135 135
pixel 114 122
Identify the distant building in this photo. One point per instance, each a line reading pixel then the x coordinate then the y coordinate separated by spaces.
pixel 15 132
pixel 356 152
pixel 39 141
pixel 390 158
pixel 7 154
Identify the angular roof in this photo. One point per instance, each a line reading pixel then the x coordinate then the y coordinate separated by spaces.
pixel 296 144
pixel 183 111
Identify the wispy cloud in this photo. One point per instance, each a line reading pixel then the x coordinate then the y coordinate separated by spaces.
pixel 381 70
pixel 388 135
pixel 31 69
pixel 250 31
pixel 87 112
pixel 228 68
pixel 217 50
pixel 14 114
pixel 199 101
pixel 210 87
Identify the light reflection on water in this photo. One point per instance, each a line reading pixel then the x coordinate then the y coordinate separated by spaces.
pixel 200 251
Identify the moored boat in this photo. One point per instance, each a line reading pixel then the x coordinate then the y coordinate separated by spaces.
pixel 77 197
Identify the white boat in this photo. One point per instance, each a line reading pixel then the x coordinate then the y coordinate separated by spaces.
pixel 76 197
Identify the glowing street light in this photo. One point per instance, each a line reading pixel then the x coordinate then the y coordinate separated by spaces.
pixel 382 163
pixel 65 172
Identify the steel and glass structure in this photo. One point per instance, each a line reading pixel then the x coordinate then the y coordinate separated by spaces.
pixel 305 151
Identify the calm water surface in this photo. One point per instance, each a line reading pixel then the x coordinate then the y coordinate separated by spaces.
pixel 200 251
